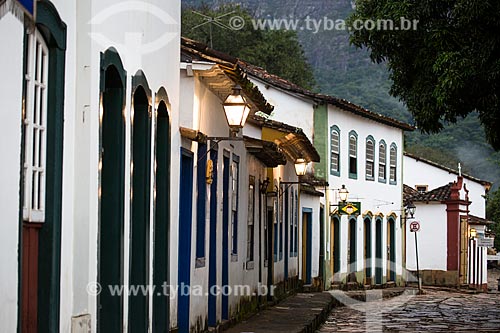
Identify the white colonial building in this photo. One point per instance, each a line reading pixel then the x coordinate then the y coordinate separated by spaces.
pixel 450 209
pixel 92 91
pixel 362 151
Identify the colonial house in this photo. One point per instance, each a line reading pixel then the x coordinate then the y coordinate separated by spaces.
pixel 450 208
pixel 87 119
pixel 240 222
pixel 361 152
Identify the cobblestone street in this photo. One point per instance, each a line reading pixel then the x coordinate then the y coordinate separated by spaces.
pixel 435 311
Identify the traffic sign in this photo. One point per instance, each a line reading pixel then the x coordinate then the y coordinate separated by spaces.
pixel 485 242
pixel 414 226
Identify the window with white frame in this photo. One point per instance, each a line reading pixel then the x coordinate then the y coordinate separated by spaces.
pixel 393 164
pixel 335 151
pixel 35 129
pixel 382 162
pixel 370 158
pixel 353 155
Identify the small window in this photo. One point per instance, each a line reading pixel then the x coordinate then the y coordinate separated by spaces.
pixel 393 164
pixel 335 151
pixel 35 127
pixel 353 155
pixel 421 188
pixel 382 162
pixel 370 158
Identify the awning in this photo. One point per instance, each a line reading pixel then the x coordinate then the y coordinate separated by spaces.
pixel 267 152
pixel 291 139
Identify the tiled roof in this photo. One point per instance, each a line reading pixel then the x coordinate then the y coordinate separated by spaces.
pixel 195 51
pixel 450 170
pixel 343 104
pixel 478 220
pixel 438 194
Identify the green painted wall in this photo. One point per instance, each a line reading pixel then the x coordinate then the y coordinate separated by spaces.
pixel 320 140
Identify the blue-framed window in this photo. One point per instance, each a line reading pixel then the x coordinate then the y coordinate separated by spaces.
pixel 235 178
pixel 382 162
pixel 370 158
pixel 251 219
pixel 281 218
pixel 201 198
pixel 292 219
pixel 335 151
pixel 393 164
pixel 275 229
pixel 353 155
pixel 296 225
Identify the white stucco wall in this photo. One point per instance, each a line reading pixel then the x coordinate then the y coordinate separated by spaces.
pixel 421 173
pixel 375 197
pixel 150 43
pixel 288 108
pixel 11 67
pixel 431 239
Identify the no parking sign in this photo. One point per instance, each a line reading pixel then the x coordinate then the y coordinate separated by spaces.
pixel 414 226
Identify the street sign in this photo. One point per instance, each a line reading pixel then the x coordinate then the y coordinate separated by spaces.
pixel 485 242
pixel 414 226
pixel 494 257
pixel 350 208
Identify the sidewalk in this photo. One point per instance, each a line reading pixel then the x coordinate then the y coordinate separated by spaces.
pixel 303 312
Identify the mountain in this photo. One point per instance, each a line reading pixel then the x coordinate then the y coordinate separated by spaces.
pixel 347 72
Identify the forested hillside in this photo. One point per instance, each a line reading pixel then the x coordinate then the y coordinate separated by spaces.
pixel 344 71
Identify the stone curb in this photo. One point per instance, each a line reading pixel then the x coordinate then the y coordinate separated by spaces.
pixel 308 312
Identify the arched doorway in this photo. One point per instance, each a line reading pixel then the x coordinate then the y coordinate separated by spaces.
pixel 352 253
pixel 391 249
pixel 161 248
pixel 138 310
pixel 110 236
pixel 378 251
pixel 335 246
pixel 367 222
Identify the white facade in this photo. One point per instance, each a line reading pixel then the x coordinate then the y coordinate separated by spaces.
pixel 419 173
pixel 92 27
pixel 10 126
pixel 431 239
pixel 377 198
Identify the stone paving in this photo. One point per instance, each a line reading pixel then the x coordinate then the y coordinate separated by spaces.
pixel 435 311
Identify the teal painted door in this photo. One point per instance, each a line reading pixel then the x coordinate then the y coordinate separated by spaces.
pixel 378 252
pixel 352 245
pixel 368 248
pixel 138 313
pixel 161 246
pixel 109 309
pixel 336 245
pixel 307 244
pixel 185 223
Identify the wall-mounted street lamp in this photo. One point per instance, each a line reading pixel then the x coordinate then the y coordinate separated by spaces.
pixel 300 171
pixel 300 167
pixel 410 209
pixel 473 233
pixel 343 195
pixel 236 109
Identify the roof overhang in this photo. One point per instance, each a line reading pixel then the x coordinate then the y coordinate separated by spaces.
pixel 290 139
pixel 269 153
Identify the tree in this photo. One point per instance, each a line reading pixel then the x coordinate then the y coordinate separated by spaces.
pixel 493 214
pixel 446 68
pixel 277 51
